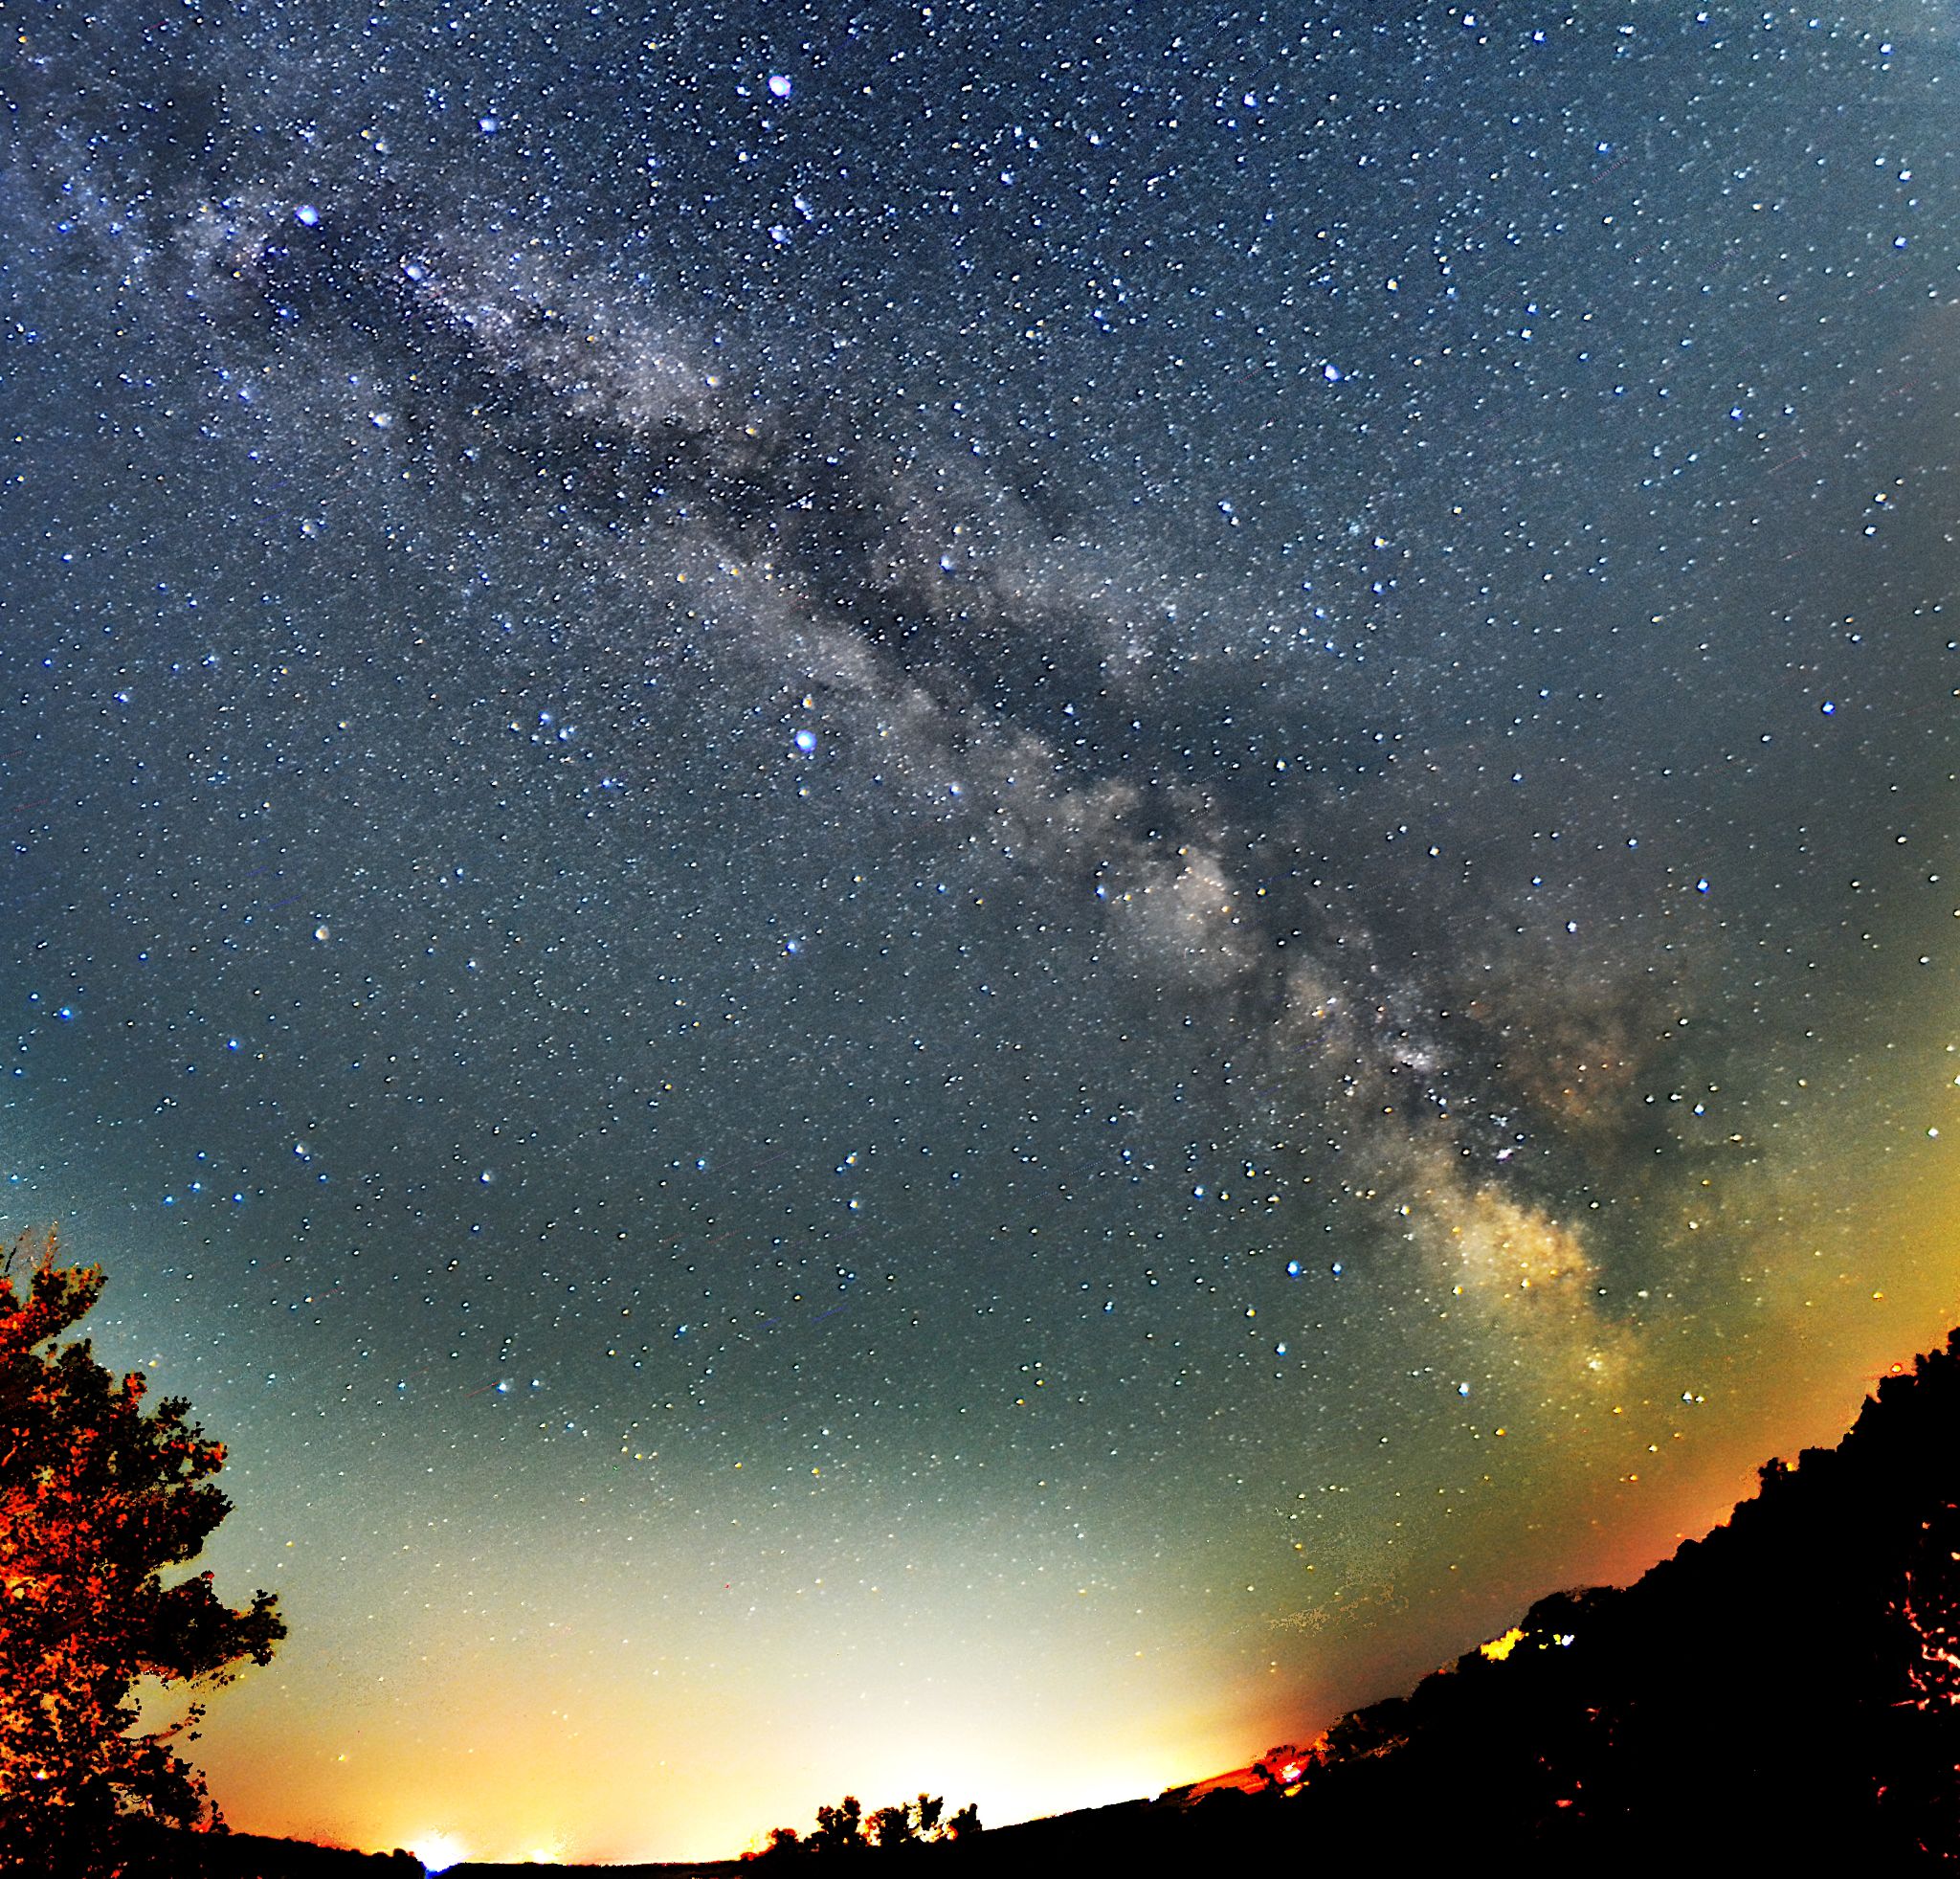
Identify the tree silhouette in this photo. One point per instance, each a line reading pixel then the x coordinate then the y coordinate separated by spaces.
pixel 97 1500
pixel 840 1829
pixel 906 1827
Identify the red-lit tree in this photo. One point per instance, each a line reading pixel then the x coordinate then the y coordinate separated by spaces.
pixel 98 1499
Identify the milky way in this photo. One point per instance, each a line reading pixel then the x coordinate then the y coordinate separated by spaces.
pixel 967 897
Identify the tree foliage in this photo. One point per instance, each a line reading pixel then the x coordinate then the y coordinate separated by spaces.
pixel 100 1498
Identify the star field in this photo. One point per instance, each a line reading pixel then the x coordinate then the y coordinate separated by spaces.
pixel 967 897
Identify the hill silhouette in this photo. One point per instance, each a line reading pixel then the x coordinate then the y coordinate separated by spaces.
pixel 1786 1687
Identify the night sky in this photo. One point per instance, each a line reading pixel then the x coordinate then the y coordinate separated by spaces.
pixel 966 896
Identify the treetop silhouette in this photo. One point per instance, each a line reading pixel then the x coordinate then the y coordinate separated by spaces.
pixel 845 1829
